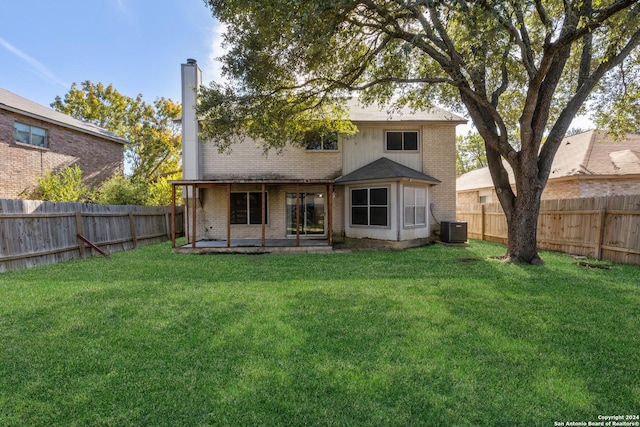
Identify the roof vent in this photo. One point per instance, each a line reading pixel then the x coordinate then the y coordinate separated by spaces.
pixel 191 61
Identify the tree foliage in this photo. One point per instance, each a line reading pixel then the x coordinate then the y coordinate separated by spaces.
pixel 520 69
pixel 618 109
pixel 470 154
pixel 121 190
pixel 63 186
pixel 154 137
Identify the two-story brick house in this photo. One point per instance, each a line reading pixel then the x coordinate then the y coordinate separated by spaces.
pixel 35 140
pixel 389 183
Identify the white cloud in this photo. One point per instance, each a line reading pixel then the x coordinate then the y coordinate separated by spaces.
pixel 37 66
pixel 213 67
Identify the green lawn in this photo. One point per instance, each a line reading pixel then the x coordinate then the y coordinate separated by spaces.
pixel 434 336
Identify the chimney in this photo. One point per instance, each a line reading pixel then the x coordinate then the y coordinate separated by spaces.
pixel 191 151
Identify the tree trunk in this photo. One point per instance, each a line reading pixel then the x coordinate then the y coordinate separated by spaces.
pixel 521 207
pixel 522 226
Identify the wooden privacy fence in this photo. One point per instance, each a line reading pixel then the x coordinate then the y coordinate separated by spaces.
pixel 36 233
pixel 602 227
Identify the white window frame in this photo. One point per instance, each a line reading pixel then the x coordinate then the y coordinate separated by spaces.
pixel 30 129
pixel 485 196
pixel 411 205
pixel 368 206
pixel 403 132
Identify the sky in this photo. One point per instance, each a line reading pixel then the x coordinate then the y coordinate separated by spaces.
pixel 137 45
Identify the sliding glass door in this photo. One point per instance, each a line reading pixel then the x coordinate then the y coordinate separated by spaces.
pixel 312 214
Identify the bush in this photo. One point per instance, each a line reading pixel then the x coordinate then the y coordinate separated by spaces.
pixel 64 186
pixel 159 193
pixel 120 190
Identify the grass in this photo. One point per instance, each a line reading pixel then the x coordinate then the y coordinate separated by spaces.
pixel 429 336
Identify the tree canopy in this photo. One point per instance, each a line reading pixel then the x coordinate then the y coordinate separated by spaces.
pixel 154 137
pixel 521 70
pixel 154 149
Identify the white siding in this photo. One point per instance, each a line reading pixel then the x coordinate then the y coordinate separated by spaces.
pixel 368 145
pixel 379 233
pixel 396 230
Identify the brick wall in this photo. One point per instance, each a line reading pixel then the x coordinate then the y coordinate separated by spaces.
pixel 561 190
pixel 467 197
pixel 610 187
pixel 22 164
pixel 439 159
pixel 249 161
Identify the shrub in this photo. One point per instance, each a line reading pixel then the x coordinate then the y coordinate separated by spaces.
pixel 64 186
pixel 120 190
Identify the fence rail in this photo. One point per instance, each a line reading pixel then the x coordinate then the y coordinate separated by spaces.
pixel 36 233
pixel 602 227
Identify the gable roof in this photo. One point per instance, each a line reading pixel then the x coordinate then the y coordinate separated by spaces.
pixel 384 169
pixel 589 153
pixel 377 113
pixel 479 178
pixel 11 102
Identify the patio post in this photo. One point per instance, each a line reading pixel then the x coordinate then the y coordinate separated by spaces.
pixel 173 216
pixel 193 225
pixel 264 211
pixel 228 215
pixel 297 214
pixel 330 213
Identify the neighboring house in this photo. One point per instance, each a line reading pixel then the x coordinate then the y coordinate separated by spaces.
pixel 35 140
pixel 389 184
pixel 589 164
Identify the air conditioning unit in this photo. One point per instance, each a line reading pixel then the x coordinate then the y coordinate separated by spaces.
pixel 453 231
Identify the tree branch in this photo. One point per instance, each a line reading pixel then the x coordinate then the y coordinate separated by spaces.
pixel 525 49
pixel 504 84
pixel 559 129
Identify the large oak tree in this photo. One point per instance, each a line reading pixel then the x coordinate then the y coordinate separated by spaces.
pixel 520 69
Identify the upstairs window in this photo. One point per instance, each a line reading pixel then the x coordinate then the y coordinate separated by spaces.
pixel 317 141
pixel 32 135
pixel 246 208
pixel 401 140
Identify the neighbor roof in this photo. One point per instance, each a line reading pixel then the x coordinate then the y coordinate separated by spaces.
pixel 11 102
pixel 589 153
pixel 384 169
pixel 376 113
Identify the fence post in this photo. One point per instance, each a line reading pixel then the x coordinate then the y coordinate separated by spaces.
pixel 482 210
pixel 80 232
pixel 167 224
pixel 601 224
pixel 132 225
